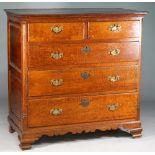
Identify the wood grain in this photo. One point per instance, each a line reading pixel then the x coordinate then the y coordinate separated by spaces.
pixel 40 56
pixel 14 71
pixel 74 112
pixel 15 93
pixel 73 83
pixel 15 44
pixel 100 30
pixel 71 31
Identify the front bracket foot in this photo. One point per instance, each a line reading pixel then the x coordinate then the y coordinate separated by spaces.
pixel 136 133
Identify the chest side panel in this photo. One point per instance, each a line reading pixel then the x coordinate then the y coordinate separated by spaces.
pixel 14 69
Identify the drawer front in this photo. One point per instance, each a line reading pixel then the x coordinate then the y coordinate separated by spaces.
pixel 72 54
pixel 114 30
pixel 46 32
pixel 83 80
pixel 61 111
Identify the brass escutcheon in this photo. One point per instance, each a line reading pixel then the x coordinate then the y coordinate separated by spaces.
pixel 84 102
pixel 85 75
pixel 85 50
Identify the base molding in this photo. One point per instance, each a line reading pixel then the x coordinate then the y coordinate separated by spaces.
pixel 28 137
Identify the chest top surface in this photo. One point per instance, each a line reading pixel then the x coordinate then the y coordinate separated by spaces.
pixel 72 11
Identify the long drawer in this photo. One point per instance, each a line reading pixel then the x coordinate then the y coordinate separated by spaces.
pixel 61 111
pixel 114 30
pixel 92 53
pixel 83 80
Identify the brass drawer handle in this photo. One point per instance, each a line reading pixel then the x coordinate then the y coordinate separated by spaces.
pixel 85 75
pixel 115 28
pixel 85 50
pixel 114 52
pixel 57 82
pixel 56 111
pixel 57 29
pixel 84 102
pixel 112 106
pixel 57 55
pixel 113 78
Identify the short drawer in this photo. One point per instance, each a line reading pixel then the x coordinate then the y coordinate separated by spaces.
pixel 61 111
pixel 92 53
pixel 83 80
pixel 46 32
pixel 114 30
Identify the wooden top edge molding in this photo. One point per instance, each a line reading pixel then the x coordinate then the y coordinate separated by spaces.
pixel 74 12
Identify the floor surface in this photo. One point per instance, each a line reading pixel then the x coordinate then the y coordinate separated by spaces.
pixel 94 142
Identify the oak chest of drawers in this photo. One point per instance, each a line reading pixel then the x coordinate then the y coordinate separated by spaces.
pixel 73 70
